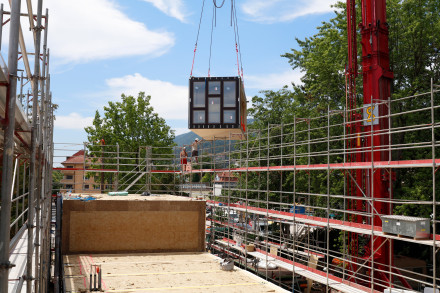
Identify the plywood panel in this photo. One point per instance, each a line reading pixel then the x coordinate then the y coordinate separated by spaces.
pixel 115 226
pixel 219 133
pixel 171 272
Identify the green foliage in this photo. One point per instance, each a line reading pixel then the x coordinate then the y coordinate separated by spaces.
pixel 322 59
pixel 56 181
pixel 131 124
pixel 414 42
pixel 208 177
pixel 415 59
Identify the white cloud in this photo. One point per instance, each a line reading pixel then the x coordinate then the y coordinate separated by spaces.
pixel 284 10
pixel 73 121
pixel 273 80
pixel 169 101
pixel 173 8
pixel 83 30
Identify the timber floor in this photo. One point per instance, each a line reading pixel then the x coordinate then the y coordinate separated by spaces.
pixel 171 272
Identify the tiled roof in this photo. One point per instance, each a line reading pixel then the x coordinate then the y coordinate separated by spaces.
pixel 226 177
pixel 227 174
pixel 76 158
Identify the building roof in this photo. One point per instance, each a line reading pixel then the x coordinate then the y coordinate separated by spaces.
pixel 76 158
pixel 226 177
pixel 227 174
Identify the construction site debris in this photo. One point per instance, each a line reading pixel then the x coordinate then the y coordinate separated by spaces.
pixel 118 193
pixel 227 264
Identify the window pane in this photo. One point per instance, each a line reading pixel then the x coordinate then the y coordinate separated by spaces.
pixel 199 94
pixel 229 116
pixel 214 87
pixel 229 95
pixel 199 117
pixel 214 110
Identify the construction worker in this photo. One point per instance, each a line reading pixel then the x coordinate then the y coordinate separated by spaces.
pixel 194 148
pixel 183 159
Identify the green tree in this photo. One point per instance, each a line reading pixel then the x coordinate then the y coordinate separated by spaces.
pixel 132 124
pixel 414 43
pixel 322 59
pixel 56 181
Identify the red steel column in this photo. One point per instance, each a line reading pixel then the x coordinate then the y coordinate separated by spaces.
pixel 377 79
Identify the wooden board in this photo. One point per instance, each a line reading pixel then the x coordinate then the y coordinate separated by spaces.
pixel 219 133
pixel 116 226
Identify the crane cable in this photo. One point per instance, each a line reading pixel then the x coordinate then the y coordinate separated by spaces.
pixel 197 38
pixel 237 39
pixel 234 24
pixel 221 5
pixel 210 44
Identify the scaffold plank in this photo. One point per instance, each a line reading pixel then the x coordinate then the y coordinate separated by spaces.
pixel 302 270
pixel 323 222
pixel 333 166
pixel 18 256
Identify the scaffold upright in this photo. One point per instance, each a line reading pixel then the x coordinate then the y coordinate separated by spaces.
pixel 26 112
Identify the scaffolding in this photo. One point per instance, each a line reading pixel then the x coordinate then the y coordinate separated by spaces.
pixel 295 181
pixel 26 112
pixel 291 215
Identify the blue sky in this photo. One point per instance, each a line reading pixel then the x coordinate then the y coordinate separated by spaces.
pixel 103 48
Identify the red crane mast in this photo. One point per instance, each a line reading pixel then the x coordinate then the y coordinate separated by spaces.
pixel 377 78
pixel 369 131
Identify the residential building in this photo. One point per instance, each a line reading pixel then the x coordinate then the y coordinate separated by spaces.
pixel 226 179
pixel 75 178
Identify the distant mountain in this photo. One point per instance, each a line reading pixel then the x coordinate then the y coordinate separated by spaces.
pixel 186 138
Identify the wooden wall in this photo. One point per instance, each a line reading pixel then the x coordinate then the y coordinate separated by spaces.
pixel 115 226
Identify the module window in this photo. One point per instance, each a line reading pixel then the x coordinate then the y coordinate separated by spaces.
pixel 199 117
pixel 199 94
pixel 214 110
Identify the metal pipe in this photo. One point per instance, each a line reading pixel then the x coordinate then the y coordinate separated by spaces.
pixel 21 88
pixel 117 164
pixel 328 196
pixel 24 190
pixel 90 283
pixel 434 230
pixel 1 22
pixel 38 139
pixel 8 147
pixel 16 174
pixel 58 243
pixel 27 105
pixel 99 278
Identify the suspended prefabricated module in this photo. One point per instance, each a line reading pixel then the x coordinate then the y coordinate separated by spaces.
pixel 217 107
